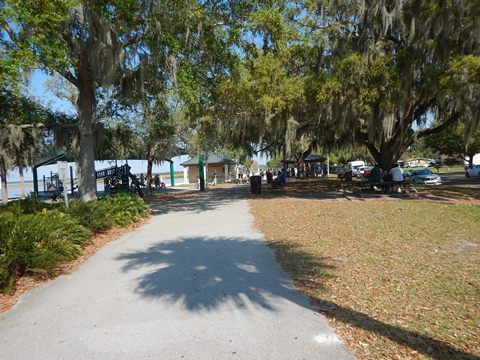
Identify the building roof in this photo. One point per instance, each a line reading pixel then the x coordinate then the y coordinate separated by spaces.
pixel 212 159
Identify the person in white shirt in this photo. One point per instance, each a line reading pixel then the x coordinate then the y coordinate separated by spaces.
pixel 397 177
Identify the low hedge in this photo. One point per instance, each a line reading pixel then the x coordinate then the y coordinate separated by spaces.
pixel 36 237
pixel 125 208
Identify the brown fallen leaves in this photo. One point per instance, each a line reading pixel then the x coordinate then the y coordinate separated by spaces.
pixel 395 278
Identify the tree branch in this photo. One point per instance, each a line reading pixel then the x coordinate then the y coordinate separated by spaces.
pixel 10 32
pixel 445 125
pixel 70 77
pixel 266 147
pixel 40 125
pixel 72 42
pixel 135 39
pixel 363 137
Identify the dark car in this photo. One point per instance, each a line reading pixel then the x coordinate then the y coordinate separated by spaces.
pixel 336 169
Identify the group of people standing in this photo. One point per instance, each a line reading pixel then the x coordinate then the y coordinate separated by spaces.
pixel 157 182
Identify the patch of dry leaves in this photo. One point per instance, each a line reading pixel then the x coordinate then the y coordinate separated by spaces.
pixel 397 279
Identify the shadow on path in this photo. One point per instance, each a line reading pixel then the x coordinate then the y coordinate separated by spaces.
pixel 201 201
pixel 204 273
pixel 210 200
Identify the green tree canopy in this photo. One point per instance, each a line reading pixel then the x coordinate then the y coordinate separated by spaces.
pixel 388 64
pixel 452 142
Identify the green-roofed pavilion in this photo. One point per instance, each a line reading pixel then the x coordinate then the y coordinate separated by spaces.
pixel 222 166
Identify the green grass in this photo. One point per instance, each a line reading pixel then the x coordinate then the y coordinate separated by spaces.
pixel 394 277
pixel 451 169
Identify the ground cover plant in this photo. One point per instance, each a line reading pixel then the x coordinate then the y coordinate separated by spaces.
pixel 398 279
pixel 35 237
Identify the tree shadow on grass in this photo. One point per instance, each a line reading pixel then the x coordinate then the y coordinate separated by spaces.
pixel 306 270
pixel 433 348
pixel 203 273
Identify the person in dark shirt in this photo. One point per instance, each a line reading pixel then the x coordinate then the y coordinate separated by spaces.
pixel 376 176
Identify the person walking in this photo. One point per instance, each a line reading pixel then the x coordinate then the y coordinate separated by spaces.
pixel 214 178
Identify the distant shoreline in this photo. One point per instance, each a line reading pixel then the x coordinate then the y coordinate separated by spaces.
pixel 178 174
pixel 13 187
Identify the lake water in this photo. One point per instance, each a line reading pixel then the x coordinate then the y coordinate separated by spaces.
pixel 137 167
pixel 14 187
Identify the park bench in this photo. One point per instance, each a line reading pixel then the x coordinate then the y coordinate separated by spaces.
pixel 279 181
pixel 385 185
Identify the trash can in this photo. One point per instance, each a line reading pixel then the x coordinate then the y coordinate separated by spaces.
pixel 256 184
pixel 269 177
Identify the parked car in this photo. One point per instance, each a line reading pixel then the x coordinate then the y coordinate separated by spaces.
pixel 360 170
pixel 335 169
pixel 366 172
pixel 473 171
pixel 423 176
pixel 357 171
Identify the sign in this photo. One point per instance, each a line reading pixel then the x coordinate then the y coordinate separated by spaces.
pixel 62 170
pixel 63 177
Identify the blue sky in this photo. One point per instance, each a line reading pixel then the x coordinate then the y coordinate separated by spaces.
pixel 39 90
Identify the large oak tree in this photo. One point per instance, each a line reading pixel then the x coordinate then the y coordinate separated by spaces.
pixel 389 65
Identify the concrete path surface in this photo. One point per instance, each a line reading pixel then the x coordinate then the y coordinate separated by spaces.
pixel 196 282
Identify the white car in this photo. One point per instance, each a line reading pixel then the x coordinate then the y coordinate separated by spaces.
pixel 473 171
pixel 423 176
pixel 361 170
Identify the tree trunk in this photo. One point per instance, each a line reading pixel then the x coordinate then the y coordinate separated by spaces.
pixel 22 182
pixel 388 152
pixel 3 175
pixel 149 172
pixel 86 158
pixel 470 160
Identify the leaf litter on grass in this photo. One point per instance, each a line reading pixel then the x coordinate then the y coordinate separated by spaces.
pixel 403 290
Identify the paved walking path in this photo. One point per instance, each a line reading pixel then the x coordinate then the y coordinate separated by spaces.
pixel 196 282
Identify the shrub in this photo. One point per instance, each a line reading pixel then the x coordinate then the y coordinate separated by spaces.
pixel 125 208
pixel 38 243
pixel 7 223
pixel 28 206
pixel 93 215
pixel 36 237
